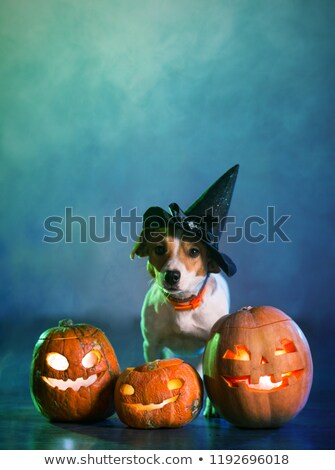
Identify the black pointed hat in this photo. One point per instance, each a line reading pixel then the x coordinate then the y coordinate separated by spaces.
pixel 204 220
pixel 215 201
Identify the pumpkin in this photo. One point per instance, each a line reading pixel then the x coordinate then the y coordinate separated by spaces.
pixel 257 367
pixel 73 373
pixel 165 393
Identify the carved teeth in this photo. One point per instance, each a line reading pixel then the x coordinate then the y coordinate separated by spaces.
pixel 265 383
pixel 152 406
pixel 74 384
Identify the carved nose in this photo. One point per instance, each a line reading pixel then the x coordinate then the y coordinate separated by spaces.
pixel 172 277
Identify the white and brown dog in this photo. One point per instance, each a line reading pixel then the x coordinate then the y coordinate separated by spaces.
pixel 188 296
pixel 189 293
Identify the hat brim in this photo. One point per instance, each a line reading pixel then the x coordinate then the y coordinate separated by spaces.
pixel 226 264
pixel 163 219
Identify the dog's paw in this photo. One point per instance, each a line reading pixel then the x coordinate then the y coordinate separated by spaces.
pixel 210 411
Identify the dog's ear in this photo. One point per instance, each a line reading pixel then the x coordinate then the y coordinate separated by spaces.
pixel 212 266
pixel 140 248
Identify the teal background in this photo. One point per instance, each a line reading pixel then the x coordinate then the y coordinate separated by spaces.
pixel 109 104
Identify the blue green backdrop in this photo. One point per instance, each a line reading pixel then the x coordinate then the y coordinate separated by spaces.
pixel 111 103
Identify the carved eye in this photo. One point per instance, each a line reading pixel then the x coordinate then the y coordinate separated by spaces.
pixel 91 359
pixel 160 250
pixel 127 389
pixel 288 347
pixel 194 253
pixel 57 361
pixel 241 354
pixel 174 384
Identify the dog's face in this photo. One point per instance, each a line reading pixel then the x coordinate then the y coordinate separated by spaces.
pixel 178 264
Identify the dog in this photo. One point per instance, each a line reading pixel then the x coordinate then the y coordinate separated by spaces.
pixel 189 293
pixel 174 321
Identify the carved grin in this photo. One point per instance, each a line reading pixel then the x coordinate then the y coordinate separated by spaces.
pixel 152 406
pixel 265 383
pixel 74 384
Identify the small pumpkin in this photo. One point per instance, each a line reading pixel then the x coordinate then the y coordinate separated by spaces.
pixel 73 373
pixel 258 367
pixel 165 393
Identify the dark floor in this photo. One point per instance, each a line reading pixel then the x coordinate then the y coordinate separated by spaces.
pixel 22 427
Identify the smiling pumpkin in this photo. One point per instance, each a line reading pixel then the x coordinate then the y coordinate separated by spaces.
pixel 258 367
pixel 73 373
pixel 162 393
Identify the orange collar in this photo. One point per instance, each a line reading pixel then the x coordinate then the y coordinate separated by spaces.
pixel 190 303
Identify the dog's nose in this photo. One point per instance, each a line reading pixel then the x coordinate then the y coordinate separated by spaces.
pixel 172 277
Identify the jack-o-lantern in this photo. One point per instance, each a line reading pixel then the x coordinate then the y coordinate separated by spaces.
pixel 166 393
pixel 73 373
pixel 257 367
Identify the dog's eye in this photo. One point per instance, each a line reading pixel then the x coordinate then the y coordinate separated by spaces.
pixel 194 252
pixel 160 250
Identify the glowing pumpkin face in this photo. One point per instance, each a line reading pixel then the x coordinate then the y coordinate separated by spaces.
pixel 163 393
pixel 257 367
pixel 73 373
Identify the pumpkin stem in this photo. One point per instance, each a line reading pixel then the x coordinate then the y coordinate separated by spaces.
pixel 247 308
pixel 65 322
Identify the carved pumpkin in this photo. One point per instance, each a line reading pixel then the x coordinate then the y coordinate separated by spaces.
pixel 73 373
pixel 165 393
pixel 257 367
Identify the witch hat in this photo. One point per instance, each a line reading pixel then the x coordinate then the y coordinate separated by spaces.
pixel 215 201
pixel 204 220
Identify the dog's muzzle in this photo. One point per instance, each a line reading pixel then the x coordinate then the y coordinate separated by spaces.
pixel 172 277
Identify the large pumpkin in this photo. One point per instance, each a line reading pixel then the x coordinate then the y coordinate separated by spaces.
pixel 73 373
pixel 257 367
pixel 166 393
